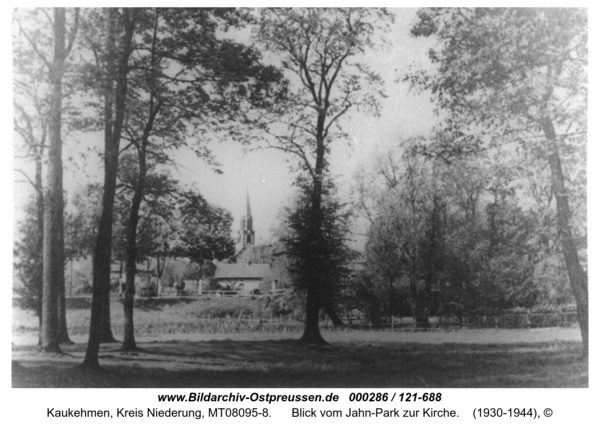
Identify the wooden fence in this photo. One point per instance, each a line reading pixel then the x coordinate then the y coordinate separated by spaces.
pixel 246 323
pixel 502 320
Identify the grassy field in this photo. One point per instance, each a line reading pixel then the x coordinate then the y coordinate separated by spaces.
pixel 169 315
pixel 180 350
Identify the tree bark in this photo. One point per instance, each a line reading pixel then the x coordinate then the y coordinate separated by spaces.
pixel 577 275
pixel 100 318
pixel 53 251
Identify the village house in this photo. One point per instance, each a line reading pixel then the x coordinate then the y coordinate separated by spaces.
pixel 242 277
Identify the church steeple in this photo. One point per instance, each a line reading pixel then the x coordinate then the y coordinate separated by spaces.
pixel 246 230
pixel 248 211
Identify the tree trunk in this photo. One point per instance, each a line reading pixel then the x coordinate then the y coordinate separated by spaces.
pixel 63 332
pixel 314 289
pixel 100 329
pixel 38 278
pixel 391 297
pixel 134 216
pixel 577 275
pixel 53 251
pixel 412 282
pixel 312 333
pixel 332 313
pixel 158 272
pixel 100 317
pixel 39 344
pixel 131 253
pixel 129 298
pixel 313 304
pixel 421 319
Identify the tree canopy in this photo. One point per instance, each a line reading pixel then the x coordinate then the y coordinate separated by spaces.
pixel 516 76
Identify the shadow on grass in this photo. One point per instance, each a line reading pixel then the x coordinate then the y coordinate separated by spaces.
pixel 289 363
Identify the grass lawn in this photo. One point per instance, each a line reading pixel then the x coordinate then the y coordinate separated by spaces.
pixel 170 358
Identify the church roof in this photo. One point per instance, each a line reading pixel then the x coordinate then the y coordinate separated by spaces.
pixel 245 271
pixel 243 251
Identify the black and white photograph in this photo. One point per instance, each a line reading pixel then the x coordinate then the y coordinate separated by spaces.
pixel 294 197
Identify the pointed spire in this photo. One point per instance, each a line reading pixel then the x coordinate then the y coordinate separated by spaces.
pixel 246 231
pixel 248 212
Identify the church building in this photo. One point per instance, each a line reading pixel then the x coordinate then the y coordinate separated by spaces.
pixel 243 276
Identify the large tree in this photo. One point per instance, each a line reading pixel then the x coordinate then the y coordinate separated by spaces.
pixel 30 124
pixel 112 54
pixel 53 52
pixel 187 81
pixel 516 75
pixel 322 50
